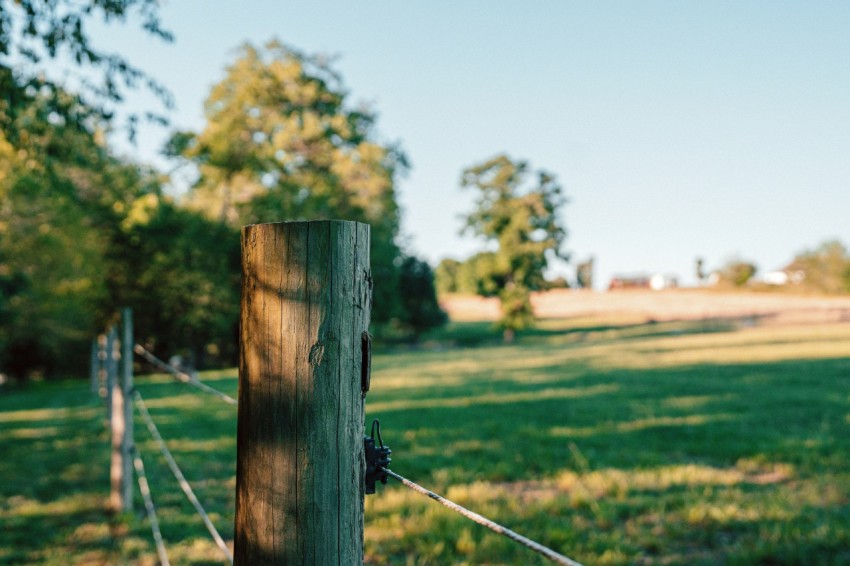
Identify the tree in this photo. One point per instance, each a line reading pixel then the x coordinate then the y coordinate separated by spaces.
pixel 737 272
pixel 58 183
pixel 282 143
pixel 584 274
pixel 83 233
pixel 699 270
pixel 60 194
pixel 180 272
pixel 826 268
pixel 32 31
pixel 518 220
pixel 473 276
pixel 421 311
pixel 446 276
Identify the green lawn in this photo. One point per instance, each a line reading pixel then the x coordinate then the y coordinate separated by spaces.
pixel 668 443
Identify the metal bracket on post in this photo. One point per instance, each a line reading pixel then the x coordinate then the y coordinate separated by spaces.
pixel 365 363
pixel 377 458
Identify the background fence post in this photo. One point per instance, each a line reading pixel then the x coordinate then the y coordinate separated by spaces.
pixel 121 461
pixel 306 302
pixel 94 376
pixel 101 366
pixel 111 367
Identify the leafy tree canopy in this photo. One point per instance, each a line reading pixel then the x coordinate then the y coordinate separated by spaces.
pixel 282 142
pixel 61 192
pixel 737 272
pixel 516 214
pixel 421 311
pixel 826 268
pixel 32 31
pixel 180 273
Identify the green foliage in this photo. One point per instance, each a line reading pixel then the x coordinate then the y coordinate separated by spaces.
pixel 737 272
pixel 180 272
pixel 446 276
pixel 421 311
pixel 471 277
pixel 826 268
pixel 83 234
pixel 60 190
pixel 33 31
pixel 477 275
pixel 282 143
pixel 584 274
pixel 520 220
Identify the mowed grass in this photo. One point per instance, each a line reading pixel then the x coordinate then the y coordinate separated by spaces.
pixel 669 443
pixel 54 475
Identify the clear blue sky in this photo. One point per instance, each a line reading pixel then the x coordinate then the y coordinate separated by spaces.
pixel 678 129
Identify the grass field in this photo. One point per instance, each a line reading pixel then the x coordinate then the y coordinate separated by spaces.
pixel 643 443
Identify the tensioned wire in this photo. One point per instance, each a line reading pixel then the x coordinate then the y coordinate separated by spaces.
pixel 184 485
pixel 493 526
pixel 182 376
pixel 149 507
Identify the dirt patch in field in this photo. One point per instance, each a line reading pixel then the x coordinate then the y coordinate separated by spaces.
pixel 662 306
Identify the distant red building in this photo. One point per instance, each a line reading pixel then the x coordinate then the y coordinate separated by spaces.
pixel 619 282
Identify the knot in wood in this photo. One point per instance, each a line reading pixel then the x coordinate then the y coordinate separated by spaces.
pixel 317 352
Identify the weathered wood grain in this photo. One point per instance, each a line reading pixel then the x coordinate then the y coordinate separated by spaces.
pixel 306 300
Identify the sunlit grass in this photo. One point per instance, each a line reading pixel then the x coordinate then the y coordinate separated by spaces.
pixel 702 443
pixel 614 442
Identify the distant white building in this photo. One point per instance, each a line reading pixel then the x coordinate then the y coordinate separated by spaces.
pixel 661 281
pixel 783 277
pixel 775 278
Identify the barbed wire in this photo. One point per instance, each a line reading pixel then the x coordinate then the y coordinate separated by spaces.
pixel 182 376
pixel 493 526
pixel 149 507
pixel 184 485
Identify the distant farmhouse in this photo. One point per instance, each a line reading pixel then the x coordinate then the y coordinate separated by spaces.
pixel 784 276
pixel 656 282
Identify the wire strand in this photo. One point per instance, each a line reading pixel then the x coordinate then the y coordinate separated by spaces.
pixel 149 508
pixel 184 485
pixel 495 527
pixel 182 376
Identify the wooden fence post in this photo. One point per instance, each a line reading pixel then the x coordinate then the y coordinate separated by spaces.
pixel 101 365
pixel 121 461
pixel 111 369
pixel 306 302
pixel 94 376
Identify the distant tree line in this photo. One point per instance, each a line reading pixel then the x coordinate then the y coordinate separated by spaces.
pixel 824 269
pixel 84 232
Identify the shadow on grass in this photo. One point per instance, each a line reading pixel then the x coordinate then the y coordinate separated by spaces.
pixel 773 435
pixel 53 476
pixel 791 411
pixel 703 463
pixel 482 333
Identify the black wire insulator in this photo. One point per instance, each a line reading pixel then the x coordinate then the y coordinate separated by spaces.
pixel 377 458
